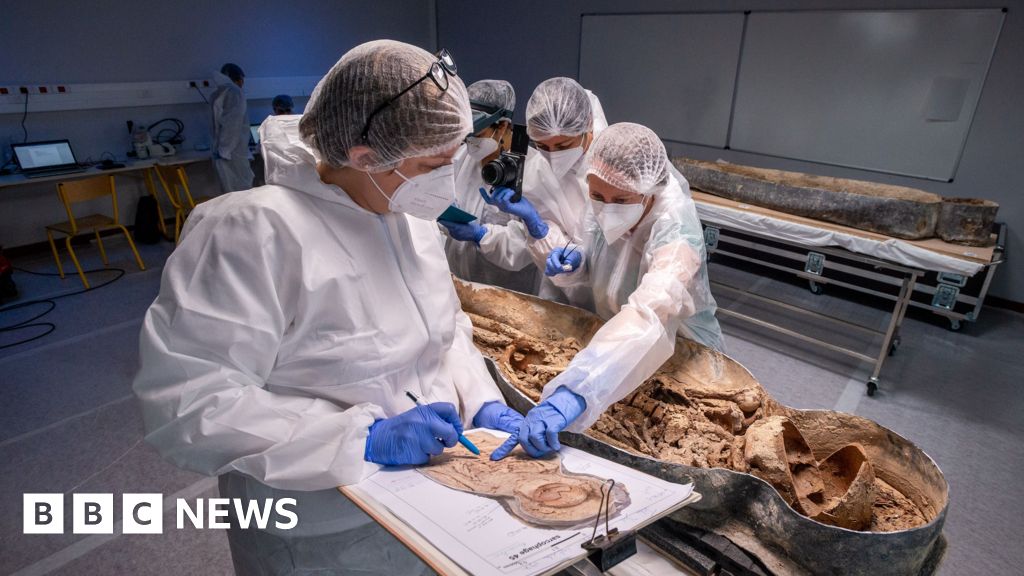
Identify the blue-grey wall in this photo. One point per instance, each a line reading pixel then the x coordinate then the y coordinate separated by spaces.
pixel 117 41
pixel 529 41
pixel 60 42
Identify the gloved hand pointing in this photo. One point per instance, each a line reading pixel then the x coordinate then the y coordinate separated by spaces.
pixel 464 232
pixel 497 416
pixel 538 434
pixel 559 258
pixel 502 199
pixel 413 436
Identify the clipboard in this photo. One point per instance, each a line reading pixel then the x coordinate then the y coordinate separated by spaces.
pixel 433 556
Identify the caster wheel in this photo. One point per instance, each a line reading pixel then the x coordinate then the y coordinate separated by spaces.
pixel 954 325
pixel 816 289
pixel 872 388
pixel 894 345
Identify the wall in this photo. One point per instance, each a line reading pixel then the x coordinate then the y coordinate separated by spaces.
pixel 530 41
pixel 52 41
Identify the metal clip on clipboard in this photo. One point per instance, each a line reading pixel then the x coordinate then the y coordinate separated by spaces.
pixel 612 547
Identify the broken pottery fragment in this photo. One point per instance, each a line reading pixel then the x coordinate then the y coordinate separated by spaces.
pixel 777 453
pixel 849 480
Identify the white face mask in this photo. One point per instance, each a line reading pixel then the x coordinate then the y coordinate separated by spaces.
pixel 479 148
pixel 616 219
pixel 562 161
pixel 424 196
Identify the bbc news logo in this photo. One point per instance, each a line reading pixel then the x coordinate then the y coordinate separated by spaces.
pixel 144 513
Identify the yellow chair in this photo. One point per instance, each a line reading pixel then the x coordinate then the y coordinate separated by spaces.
pixel 77 191
pixel 174 181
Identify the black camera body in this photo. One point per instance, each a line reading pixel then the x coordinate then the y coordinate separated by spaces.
pixel 507 169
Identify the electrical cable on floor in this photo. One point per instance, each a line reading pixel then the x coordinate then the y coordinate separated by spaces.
pixel 31 322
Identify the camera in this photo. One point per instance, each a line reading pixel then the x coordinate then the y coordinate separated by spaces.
pixel 507 169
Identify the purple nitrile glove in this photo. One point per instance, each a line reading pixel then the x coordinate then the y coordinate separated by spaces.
pixel 413 436
pixel 464 232
pixel 497 416
pixel 538 434
pixel 502 200
pixel 559 258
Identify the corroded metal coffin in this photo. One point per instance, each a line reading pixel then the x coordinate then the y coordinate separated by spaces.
pixel 967 221
pixel 743 507
pixel 891 210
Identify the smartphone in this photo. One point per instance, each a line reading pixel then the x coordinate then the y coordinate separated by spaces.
pixel 454 214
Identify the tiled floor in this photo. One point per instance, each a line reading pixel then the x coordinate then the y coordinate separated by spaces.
pixel 68 422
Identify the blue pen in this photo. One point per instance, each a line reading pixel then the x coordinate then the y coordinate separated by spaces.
pixel 462 439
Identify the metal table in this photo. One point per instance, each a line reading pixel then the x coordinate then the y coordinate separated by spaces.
pixel 956 296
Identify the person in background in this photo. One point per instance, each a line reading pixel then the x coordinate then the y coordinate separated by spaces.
pixel 491 249
pixel 644 273
pixel 562 119
pixel 231 130
pixel 282 104
pixel 292 320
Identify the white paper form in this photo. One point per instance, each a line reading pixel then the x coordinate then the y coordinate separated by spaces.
pixel 480 536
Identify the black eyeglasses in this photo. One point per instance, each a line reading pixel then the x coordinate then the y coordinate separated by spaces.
pixel 439 72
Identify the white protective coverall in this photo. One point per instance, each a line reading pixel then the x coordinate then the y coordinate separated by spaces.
pixel 502 258
pixel 649 285
pixel 288 320
pixel 230 135
pixel 561 202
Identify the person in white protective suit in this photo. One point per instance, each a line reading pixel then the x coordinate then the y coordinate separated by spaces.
pixel 562 119
pixel 231 130
pixel 292 319
pixel 492 248
pixel 645 273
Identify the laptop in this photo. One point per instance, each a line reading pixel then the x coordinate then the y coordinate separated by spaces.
pixel 254 131
pixel 50 158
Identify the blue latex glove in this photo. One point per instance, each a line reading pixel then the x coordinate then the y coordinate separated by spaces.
pixel 497 416
pixel 413 436
pixel 464 232
pixel 502 200
pixel 538 434
pixel 556 261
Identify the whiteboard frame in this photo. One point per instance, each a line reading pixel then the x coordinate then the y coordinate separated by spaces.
pixel 743 47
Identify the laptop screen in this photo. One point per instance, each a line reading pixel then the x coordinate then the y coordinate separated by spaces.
pixel 254 129
pixel 39 155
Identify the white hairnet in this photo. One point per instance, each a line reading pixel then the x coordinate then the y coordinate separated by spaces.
pixel 558 107
pixel 493 93
pixel 629 157
pixel 424 121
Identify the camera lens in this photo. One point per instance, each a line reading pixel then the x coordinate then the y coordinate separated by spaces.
pixel 499 172
pixel 493 173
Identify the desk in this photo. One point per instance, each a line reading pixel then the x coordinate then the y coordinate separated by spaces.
pixel 181 158
pixel 130 168
pixel 949 279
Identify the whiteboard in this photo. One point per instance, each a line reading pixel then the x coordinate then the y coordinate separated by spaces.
pixel 674 73
pixel 891 91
